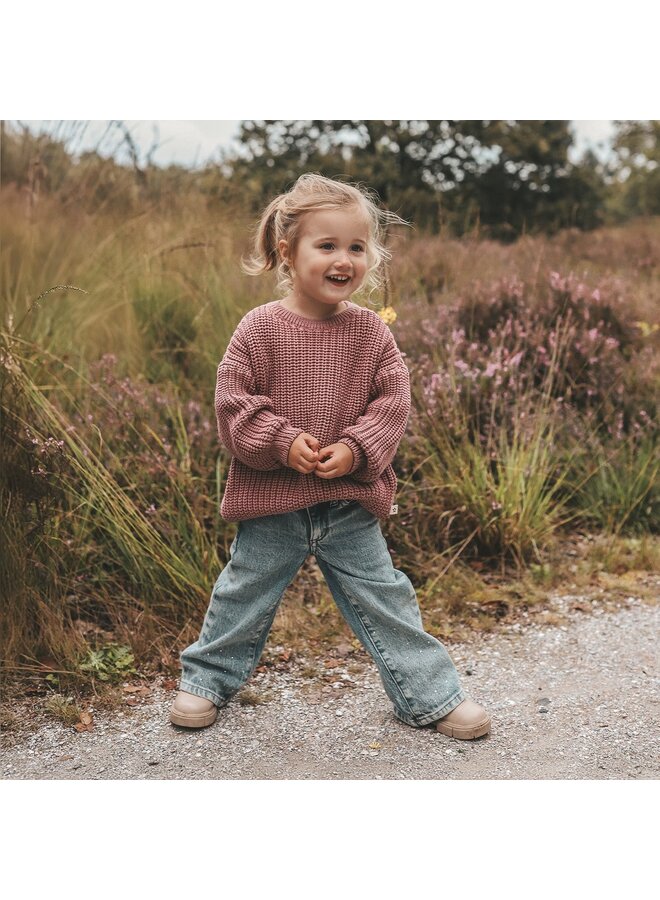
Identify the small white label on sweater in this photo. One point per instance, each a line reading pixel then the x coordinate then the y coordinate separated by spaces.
pixel 394 509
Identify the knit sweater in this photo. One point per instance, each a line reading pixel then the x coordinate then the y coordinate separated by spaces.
pixel 340 379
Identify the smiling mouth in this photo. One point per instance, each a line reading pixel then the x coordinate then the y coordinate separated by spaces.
pixel 337 280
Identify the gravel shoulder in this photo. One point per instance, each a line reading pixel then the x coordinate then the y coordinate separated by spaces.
pixel 576 700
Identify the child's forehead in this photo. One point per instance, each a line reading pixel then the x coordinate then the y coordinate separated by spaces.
pixel 332 222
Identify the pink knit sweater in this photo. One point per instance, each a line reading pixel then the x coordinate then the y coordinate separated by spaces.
pixel 340 379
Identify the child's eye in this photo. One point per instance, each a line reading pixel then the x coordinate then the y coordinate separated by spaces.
pixel 358 247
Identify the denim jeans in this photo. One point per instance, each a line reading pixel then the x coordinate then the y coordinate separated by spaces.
pixel 377 601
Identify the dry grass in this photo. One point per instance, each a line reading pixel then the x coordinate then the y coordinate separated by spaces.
pixel 137 270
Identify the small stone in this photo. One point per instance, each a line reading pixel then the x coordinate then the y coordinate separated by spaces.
pixel 152 762
pixel 543 709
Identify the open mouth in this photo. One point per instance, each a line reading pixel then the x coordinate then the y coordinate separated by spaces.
pixel 338 279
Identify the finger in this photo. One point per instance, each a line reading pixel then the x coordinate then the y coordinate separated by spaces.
pixel 329 473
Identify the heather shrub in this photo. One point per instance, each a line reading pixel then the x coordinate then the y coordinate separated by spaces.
pixel 148 439
pixel 37 560
pixel 507 385
pixel 500 341
pixel 133 512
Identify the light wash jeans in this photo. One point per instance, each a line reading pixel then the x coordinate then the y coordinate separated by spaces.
pixel 377 601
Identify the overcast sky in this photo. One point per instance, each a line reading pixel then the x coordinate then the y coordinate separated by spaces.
pixel 193 142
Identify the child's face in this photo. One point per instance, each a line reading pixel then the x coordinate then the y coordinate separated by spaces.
pixel 331 242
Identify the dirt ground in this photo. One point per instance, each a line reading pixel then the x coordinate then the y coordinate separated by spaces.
pixel 577 699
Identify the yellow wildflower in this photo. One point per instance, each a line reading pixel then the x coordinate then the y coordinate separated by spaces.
pixel 647 329
pixel 387 314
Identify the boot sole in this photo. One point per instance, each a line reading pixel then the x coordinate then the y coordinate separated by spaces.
pixel 463 732
pixel 199 721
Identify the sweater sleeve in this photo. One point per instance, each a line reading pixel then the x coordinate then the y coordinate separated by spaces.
pixel 376 435
pixel 247 423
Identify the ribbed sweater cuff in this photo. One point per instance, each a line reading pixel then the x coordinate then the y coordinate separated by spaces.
pixel 359 456
pixel 283 440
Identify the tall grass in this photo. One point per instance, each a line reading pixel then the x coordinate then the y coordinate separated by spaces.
pixel 146 581
pixel 112 476
pixel 500 496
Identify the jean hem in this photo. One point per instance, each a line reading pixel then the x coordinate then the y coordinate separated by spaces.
pixel 428 718
pixel 203 692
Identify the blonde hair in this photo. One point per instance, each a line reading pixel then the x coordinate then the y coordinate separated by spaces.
pixel 282 220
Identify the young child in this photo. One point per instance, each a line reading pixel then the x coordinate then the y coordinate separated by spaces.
pixel 312 400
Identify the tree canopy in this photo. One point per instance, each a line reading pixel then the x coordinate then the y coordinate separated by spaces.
pixel 504 177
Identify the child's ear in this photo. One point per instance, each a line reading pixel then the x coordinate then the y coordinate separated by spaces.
pixel 283 247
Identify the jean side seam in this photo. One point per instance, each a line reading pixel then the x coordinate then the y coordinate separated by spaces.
pixel 266 628
pixel 368 629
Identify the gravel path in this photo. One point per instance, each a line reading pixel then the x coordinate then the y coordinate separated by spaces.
pixel 570 701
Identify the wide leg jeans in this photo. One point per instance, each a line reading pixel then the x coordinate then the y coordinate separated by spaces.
pixel 377 601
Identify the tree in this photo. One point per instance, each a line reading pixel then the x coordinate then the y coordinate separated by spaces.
pixel 636 167
pixel 506 176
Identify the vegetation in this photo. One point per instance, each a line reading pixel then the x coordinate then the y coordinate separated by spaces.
pixel 535 378
pixel 498 179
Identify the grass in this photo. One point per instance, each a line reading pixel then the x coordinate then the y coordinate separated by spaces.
pixel 618 487
pixel 64 709
pixel 479 526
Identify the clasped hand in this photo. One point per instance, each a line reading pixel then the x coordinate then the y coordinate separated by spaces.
pixel 306 455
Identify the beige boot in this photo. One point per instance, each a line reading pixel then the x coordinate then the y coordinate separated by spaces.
pixel 191 711
pixel 466 721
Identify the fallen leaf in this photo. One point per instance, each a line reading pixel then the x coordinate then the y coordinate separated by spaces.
pixel 285 655
pixel 332 663
pixel 131 701
pixel 132 688
pixel 86 718
pixel 169 684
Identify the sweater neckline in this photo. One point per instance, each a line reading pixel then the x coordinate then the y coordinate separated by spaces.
pixel 293 318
